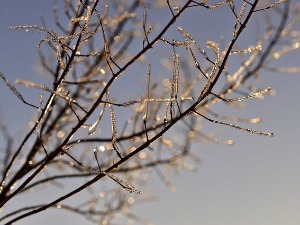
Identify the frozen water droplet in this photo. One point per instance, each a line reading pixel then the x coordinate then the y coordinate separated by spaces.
pixel 92 128
pixel 255 120
pixel 102 194
pixel 130 200
pixel 60 134
pixel 100 148
pixel 230 142
pixel 142 155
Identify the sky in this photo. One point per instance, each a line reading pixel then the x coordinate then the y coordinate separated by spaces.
pixel 255 181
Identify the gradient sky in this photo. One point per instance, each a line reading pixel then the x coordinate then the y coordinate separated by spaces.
pixel 255 181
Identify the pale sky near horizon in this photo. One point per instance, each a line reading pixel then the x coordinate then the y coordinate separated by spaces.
pixel 254 182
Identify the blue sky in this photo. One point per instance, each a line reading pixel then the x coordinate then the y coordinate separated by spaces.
pixel 255 181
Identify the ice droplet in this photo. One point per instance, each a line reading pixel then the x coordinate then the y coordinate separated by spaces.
pixel 230 142
pixel 93 127
pixel 276 55
pixel 101 70
pixel 60 134
pixel 130 200
pixel 100 148
pixel 255 120
pixel 102 194
pixel 142 155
